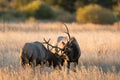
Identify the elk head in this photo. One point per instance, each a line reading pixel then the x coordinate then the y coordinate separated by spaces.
pixel 67 49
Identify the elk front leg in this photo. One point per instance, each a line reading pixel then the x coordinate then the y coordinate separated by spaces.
pixel 68 66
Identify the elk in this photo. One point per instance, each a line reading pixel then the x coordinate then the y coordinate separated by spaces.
pixel 35 53
pixel 70 50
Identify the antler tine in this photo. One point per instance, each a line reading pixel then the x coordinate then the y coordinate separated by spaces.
pixel 67 31
pixel 47 42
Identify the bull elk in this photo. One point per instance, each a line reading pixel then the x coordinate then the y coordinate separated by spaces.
pixel 71 50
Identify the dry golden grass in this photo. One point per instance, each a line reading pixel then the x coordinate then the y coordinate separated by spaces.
pixel 84 74
pixel 100 58
pixel 52 26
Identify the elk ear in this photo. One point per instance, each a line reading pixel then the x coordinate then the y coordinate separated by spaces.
pixel 63 43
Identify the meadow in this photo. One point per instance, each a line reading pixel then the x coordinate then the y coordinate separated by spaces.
pixel 100 50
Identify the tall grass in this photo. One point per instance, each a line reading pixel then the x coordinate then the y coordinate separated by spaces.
pixel 100 58
pixel 53 26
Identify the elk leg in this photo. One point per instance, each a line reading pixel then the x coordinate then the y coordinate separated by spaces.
pixel 68 66
pixel 41 66
pixel 33 64
pixel 60 67
pixel 75 64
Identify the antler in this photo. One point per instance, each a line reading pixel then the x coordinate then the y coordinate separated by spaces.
pixel 47 42
pixel 67 31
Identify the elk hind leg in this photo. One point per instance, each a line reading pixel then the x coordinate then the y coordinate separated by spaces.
pixel 41 67
pixel 33 64
pixel 75 64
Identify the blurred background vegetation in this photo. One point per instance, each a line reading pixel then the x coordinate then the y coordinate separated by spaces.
pixel 81 11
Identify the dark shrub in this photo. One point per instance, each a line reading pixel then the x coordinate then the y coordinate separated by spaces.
pixel 38 9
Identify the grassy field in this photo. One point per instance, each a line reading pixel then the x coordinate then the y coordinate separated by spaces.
pixel 100 58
